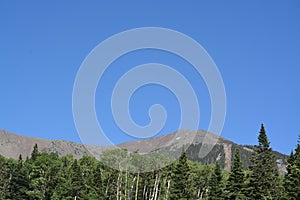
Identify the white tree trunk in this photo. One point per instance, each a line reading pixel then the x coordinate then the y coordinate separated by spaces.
pixel 168 189
pixel 137 186
pixel 118 186
pixel 156 187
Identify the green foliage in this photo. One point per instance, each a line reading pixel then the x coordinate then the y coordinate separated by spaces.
pixel 216 184
pixel 19 183
pixel 236 182
pixel 47 176
pixel 200 177
pixel 213 155
pixel 262 138
pixel 181 179
pixel 35 153
pixel 4 177
pixel 292 178
pixel 76 181
pixel 264 180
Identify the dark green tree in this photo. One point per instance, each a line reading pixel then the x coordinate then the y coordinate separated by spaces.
pixel 44 176
pixel 47 176
pixel 292 178
pixel 264 180
pixel 180 179
pixel 76 189
pixel 19 183
pixel 215 190
pixel 91 171
pixel 97 180
pixel 62 187
pixel 4 177
pixel 236 181
pixel 35 153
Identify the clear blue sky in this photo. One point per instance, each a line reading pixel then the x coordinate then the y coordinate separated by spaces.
pixel 255 45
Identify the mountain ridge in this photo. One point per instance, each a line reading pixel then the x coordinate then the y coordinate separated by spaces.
pixel 220 149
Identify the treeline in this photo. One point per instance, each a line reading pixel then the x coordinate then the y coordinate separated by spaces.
pixel 47 176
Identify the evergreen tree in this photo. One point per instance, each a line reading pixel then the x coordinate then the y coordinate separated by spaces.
pixel 92 177
pixel 4 177
pixel 215 184
pixel 35 152
pixel 264 177
pixel 19 183
pixel 235 184
pixel 97 180
pixel 292 178
pixel 47 176
pixel 76 189
pixel 180 179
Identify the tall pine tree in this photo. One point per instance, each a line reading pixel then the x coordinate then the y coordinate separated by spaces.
pixel 35 153
pixel 292 178
pixel 97 180
pixel 19 183
pixel 216 184
pixel 264 178
pixel 236 181
pixel 180 179
pixel 76 189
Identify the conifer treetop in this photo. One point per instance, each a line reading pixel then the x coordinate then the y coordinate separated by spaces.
pixel 262 138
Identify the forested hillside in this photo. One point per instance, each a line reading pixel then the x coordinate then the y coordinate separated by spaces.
pixel 49 176
pixel 12 145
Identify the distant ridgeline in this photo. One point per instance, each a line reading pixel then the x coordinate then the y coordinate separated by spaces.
pixel 47 176
pixel 12 145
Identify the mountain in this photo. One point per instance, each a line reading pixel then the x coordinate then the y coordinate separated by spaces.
pixel 12 145
pixel 220 149
pixel 197 145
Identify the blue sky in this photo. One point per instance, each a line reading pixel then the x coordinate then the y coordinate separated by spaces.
pixel 255 45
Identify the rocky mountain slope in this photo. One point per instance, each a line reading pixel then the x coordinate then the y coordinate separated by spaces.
pixel 195 142
pixel 12 145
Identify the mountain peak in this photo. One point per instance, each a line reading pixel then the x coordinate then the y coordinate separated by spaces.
pixel 218 148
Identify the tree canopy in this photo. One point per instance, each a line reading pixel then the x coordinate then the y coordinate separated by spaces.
pixel 47 176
